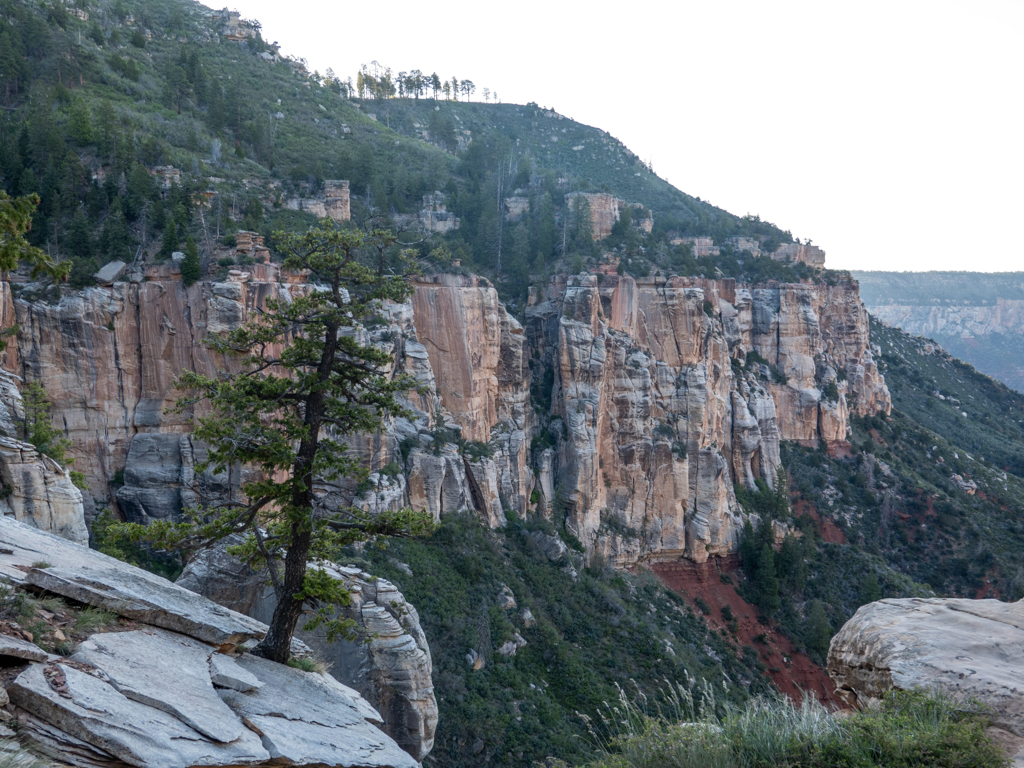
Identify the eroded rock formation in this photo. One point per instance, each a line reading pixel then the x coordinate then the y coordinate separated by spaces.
pixel 629 406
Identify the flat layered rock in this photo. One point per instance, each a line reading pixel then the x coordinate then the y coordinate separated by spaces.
pixel 311 719
pixel 90 577
pixel 969 648
pixel 21 649
pixel 226 673
pixel 63 747
pixel 153 601
pixel 95 712
pixel 166 671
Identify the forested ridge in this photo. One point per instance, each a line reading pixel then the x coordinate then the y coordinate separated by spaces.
pixel 100 96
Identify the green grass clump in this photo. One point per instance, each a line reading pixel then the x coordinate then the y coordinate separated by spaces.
pixel 907 730
pixel 91 620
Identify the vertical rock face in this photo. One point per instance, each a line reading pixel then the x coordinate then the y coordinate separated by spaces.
pixel 668 391
pixel 107 357
pixel 629 407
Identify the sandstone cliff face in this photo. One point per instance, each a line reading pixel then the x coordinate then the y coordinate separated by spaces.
pixel 659 410
pixel 107 357
pixel 627 407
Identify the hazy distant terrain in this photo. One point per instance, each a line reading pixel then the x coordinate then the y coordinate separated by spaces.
pixel 976 316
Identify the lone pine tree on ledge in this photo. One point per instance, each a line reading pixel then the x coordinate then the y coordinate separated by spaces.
pixel 306 383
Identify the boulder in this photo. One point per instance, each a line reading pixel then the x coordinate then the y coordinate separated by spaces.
pixel 392 669
pixel 110 273
pixel 966 648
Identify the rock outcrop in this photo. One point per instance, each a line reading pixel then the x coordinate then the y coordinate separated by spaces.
pixel 972 649
pixel 388 662
pixel 631 405
pixel 606 210
pixel 667 391
pixel 35 488
pixel 175 693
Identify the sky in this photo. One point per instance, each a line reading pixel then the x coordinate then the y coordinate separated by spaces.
pixel 891 133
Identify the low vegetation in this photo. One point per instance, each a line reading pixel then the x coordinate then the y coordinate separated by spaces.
pixel 907 730
pixel 589 629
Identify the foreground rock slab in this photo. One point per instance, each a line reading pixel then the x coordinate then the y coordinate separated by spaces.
pixel 96 713
pixel 166 671
pixel 306 718
pixel 969 648
pixel 79 573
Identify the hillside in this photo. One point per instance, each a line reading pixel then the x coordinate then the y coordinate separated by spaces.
pixel 650 457
pixel 976 316
pixel 99 105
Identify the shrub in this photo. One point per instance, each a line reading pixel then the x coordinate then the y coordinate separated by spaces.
pixel 908 730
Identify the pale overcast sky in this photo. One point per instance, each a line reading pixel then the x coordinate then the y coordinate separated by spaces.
pixel 888 132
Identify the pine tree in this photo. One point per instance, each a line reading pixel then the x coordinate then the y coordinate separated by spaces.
pixel 79 124
pixel 291 424
pixel 818 630
pixel 170 241
pixel 190 267
pixel 547 232
pixel 870 591
pixel 79 239
pixel 15 221
pixel 766 583
pixel 114 239
pixel 582 232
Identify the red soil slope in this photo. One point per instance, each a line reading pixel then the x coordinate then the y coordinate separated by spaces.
pixel 792 672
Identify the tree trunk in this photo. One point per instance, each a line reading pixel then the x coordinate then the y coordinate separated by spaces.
pixel 276 645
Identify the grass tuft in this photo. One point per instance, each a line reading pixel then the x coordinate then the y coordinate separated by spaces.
pixel 907 730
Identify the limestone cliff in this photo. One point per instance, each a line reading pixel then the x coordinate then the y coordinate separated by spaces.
pixel 627 407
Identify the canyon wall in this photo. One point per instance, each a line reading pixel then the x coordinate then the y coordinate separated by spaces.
pixel 624 408
pixel 1002 316
pixel 989 336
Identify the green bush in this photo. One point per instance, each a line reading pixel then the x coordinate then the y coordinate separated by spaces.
pixel 908 730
